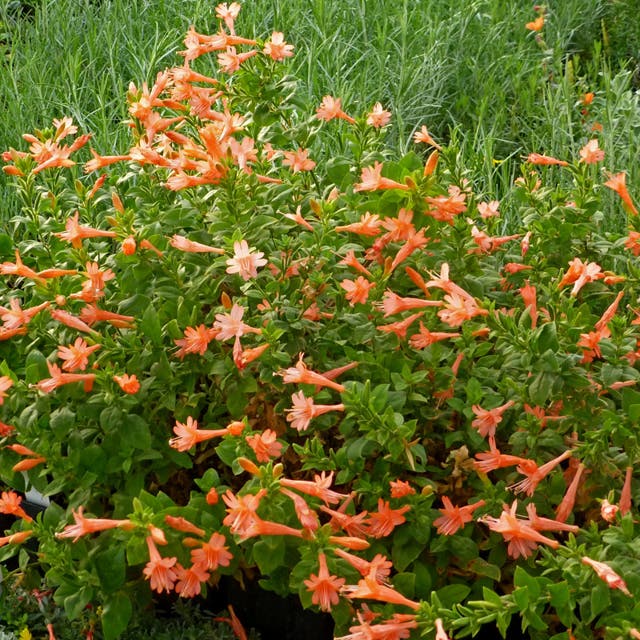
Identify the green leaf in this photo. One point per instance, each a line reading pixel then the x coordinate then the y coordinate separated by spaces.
pixel 150 325
pixel 268 553
pixel 540 388
pixel 35 367
pixel 560 597
pixel 76 602
pixel 116 614
pixel 547 337
pixel 484 568
pixel 135 432
pixel 600 599
pixel 453 594
pixel 522 579
pixel 405 548
pixel 405 583
pixel 110 567
pixel 61 421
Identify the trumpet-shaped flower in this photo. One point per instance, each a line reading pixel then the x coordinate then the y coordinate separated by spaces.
pixel 324 586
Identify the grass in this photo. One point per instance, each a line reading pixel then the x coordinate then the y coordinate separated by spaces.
pixel 471 66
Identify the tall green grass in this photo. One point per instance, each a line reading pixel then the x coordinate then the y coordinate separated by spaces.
pixel 469 66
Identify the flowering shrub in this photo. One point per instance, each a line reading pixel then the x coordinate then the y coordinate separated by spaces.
pixel 348 372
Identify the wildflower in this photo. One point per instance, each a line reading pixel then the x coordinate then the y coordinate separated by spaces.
pixel 489 209
pixel 392 303
pixel 5 383
pixel 159 571
pixel 425 338
pixel 129 384
pixel 617 182
pixel 58 379
pixel 547 524
pixel 579 274
pixel 10 504
pixel 298 219
pixel 425 137
pixel 75 232
pixel 368 588
pixel 230 325
pixel 319 487
pixel 606 573
pixel 454 518
pixel 400 327
pixel 385 520
pixel 265 445
pixel 401 488
pixel 539 159
pixel 324 586
pixel 591 153
pixel 400 227
pixel 212 554
pixel 371 180
pixel 379 568
pixel 84 526
pixel 368 225
pixel 188 434
pixel 331 108
pixel 535 474
pixel 357 290
pixel 608 511
pixel 415 241
pixel 15 538
pixel 528 293
pixel 445 208
pixel 353 525
pixel 441 634
pixel 182 524
pixel 230 61
pixel 18 268
pixel 244 262
pixel 129 246
pixel 189 581
pixel 537 24
pixel 523 539
pixel 277 48
pixel 493 459
pixel 70 320
pixel 350 260
pixel 196 340
pixel 16 317
pixel 245 356
pixel 487 420
pixel 301 374
pixel 488 244
pixel 90 314
pixel 625 496
pixel 308 517
pixel 378 117
pixel 458 308
pixel 633 242
pixel 183 244
pixel 298 160
pixel 304 410
pixel 241 510
pixel 76 355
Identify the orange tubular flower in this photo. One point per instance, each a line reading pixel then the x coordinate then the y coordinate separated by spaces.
pixel 75 232
pixel 491 460
pixel 159 571
pixel 181 524
pixel 320 487
pixel 244 262
pixel 129 384
pixel 196 340
pixel 58 379
pixel 487 420
pixel 324 586
pixel 378 117
pixel 331 108
pixel 392 303
pixel 528 293
pixel 379 568
pixel 538 159
pixel 591 153
pixel 298 160
pixel 606 573
pixel 99 162
pixel 523 539
pixel 445 208
pixel 368 225
pixel 5 383
pixel 70 320
pixel 10 505
pixel 91 314
pixel 301 374
pixel 535 474
pixel 212 554
pixel 189 581
pixel 385 520
pixel 537 24
pixel 15 538
pixel 304 410
pixel 625 496
pixel 372 180
pixel 84 526
pixel 241 510
pixel 230 325
pixel 454 518
pixel 425 338
pixel 265 445
pixel 547 524
pixel 308 517
pixel 183 244
pixel 579 274
pixel 369 589
pixel 617 182
pixel 188 434
pixel 425 137
pixel 76 355
pixel 357 290
pixel 400 327
pixel 277 48
pixel 401 488
pixel 18 269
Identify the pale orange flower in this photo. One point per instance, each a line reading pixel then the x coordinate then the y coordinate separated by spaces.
pixel 425 137
pixel 454 518
pixel 228 13
pixel 608 511
pixel 304 410
pixel 244 261
pixel 5 384
pixel 487 420
pixel 99 162
pixel 625 496
pixel 129 384
pixel 606 573
pixel 385 520
pixel 445 208
pixel 331 108
pixel 230 325
pixel 90 314
pixel 535 474
pixel 196 340
pixel 276 48
pixel 58 379
pixel 301 374
pixel 353 525
pixel 241 510
pixel 182 524
pixel 392 303
pixel 183 244
pixel 441 634
pixel 298 160
pixel 84 526
pixel 16 317
pixel 75 232
pixel 70 320
pixel 188 434
pixel 298 219
pixel 591 153
pixel 129 246
pixel 15 538
pixel 539 159
pixel 401 488
pixel 425 338
pixel 537 24
pixel 579 274
pixel 76 355
pixel 319 487
pixel 378 117
pixel 459 308
pixel 633 242
pixel 357 290
pixel 324 586
pixel 212 554
pixel 18 268
pixel 265 445
pixel 414 242
pixel 306 515
pixel 490 460
pixel 230 61
pixel 547 524
pixel 159 571
pixel 371 179
pixel 523 539
pixel 400 327
pixel 489 209
pixel 400 227
pixel 617 182
pixel 487 243
pixel 350 260
pixel 368 225
pixel 10 504
pixel 368 588
pixel 189 581
pixel 528 293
